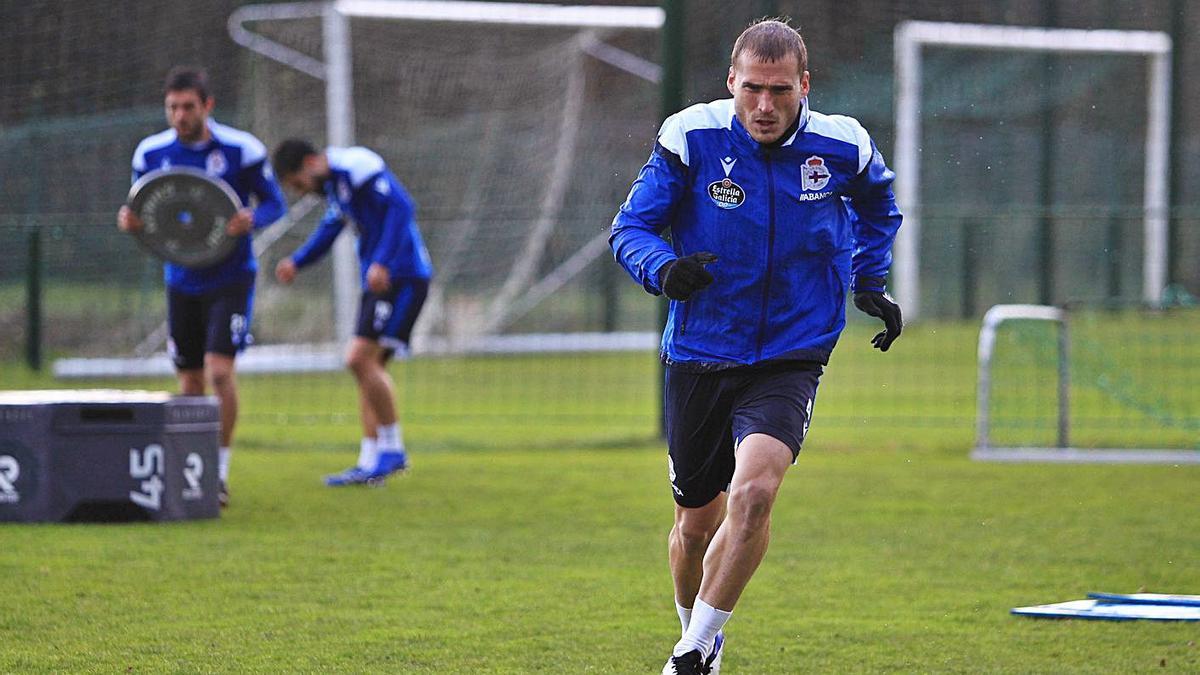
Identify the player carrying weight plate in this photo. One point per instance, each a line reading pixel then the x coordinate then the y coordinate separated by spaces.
pixel 209 277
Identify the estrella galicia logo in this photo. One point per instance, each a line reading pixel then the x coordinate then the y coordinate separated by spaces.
pixel 726 194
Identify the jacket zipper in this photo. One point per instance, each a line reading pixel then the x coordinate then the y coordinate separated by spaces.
pixel 687 308
pixel 762 319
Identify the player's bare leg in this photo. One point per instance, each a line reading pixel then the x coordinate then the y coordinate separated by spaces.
pixel 370 422
pixel 191 381
pixel 219 369
pixel 740 542
pixel 368 452
pixel 381 451
pixel 366 359
pixel 688 542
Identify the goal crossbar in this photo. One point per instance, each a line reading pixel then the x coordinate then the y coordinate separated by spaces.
pixel 577 16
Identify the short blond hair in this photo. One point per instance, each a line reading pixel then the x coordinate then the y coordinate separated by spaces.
pixel 771 40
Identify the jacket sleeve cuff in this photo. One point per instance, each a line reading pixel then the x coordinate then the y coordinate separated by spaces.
pixel 652 282
pixel 863 283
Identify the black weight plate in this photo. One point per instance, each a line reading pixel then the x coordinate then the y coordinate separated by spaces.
pixel 184 212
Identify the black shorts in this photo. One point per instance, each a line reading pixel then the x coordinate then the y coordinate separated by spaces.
pixel 708 414
pixel 388 318
pixel 216 322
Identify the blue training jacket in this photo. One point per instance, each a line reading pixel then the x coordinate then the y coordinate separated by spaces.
pixel 793 227
pixel 361 187
pixel 239 159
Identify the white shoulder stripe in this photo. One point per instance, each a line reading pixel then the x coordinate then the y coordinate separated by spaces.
pixel 253 151
pixel 674 131
pixel 361 163
pixel 150 143
pixel 845 129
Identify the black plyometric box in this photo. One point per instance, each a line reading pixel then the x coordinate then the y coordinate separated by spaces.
pixel 101 455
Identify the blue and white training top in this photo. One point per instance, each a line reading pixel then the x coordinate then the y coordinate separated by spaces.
pixel 793 225
pixel 361 187
pixel 239 159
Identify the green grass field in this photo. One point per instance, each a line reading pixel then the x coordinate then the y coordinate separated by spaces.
pixel 506 560
pixel 530 536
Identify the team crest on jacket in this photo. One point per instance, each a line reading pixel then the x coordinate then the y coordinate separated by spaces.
pixel 726 194
pixel 814 175
pixel 215 164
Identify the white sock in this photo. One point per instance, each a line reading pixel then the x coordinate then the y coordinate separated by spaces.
pixel 223 464
pixel 367 454
pixel 706 622
pixel 389 438
pixel 685 616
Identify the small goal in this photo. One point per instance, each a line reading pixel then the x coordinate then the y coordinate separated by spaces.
pixel 1099 364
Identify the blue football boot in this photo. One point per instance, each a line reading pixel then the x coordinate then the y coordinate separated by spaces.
pixel 352 476
pixel 389 463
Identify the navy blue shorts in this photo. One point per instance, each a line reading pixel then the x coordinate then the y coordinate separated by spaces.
pixel 388 318
pixel 216 322
pixel 709 413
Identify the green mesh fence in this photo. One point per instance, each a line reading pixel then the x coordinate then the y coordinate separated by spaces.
pixel 1031 192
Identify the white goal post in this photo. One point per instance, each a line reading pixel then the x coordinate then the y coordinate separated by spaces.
pixel 912 36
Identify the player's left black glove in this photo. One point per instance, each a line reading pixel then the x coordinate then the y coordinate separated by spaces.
pixel 879 305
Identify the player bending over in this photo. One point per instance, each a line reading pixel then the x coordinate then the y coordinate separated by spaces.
pixel 209 309
pixel 395 278
pixel 774 210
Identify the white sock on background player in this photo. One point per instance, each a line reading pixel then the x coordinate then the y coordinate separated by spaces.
pixel 389 438
pixel 685 616
pixel 367 454
pixel 223 464
pixel 702 629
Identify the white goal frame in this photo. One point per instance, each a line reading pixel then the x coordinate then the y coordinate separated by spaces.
pixel 1062 453
pixel 336 72
pixel 912 36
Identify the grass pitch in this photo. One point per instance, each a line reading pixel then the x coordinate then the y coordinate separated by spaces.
pixel 508 561
pixel 525 544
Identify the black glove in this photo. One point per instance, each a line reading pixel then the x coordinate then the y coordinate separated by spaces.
pixel 877 304
pixel 683 276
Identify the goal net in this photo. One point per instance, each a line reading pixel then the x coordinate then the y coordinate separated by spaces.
pixel 1089 384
